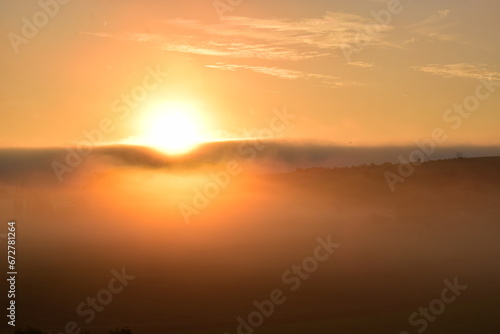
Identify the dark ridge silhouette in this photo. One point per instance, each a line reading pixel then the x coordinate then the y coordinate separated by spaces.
pixel 36 166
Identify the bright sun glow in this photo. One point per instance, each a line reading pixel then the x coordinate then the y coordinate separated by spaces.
pixel 174 128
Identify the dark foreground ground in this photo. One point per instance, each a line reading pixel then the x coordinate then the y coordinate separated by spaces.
pixel 396 251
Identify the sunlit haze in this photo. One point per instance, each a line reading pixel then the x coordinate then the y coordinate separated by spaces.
pixel 249 166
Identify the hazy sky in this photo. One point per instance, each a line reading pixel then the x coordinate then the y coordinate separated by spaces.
pixel 394 86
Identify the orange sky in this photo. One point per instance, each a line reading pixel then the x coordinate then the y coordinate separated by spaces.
pixel 66 76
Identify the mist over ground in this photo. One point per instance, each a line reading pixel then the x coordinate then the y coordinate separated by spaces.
pixel 121 210
pixel 56 165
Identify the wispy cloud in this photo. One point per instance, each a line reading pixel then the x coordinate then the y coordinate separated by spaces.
pixel 244 37
pixel 329 80
pixel 437 26
pixel 214 47
pixel 461 70
pixel 274 71
pixel 361 64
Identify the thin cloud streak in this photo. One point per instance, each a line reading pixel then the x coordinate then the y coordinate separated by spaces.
pixel 328 80
pixel 461 70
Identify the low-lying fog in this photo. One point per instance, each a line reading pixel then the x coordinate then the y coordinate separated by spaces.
pixel 205 242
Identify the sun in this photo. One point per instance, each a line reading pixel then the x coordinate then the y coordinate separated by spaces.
pixel 172 127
